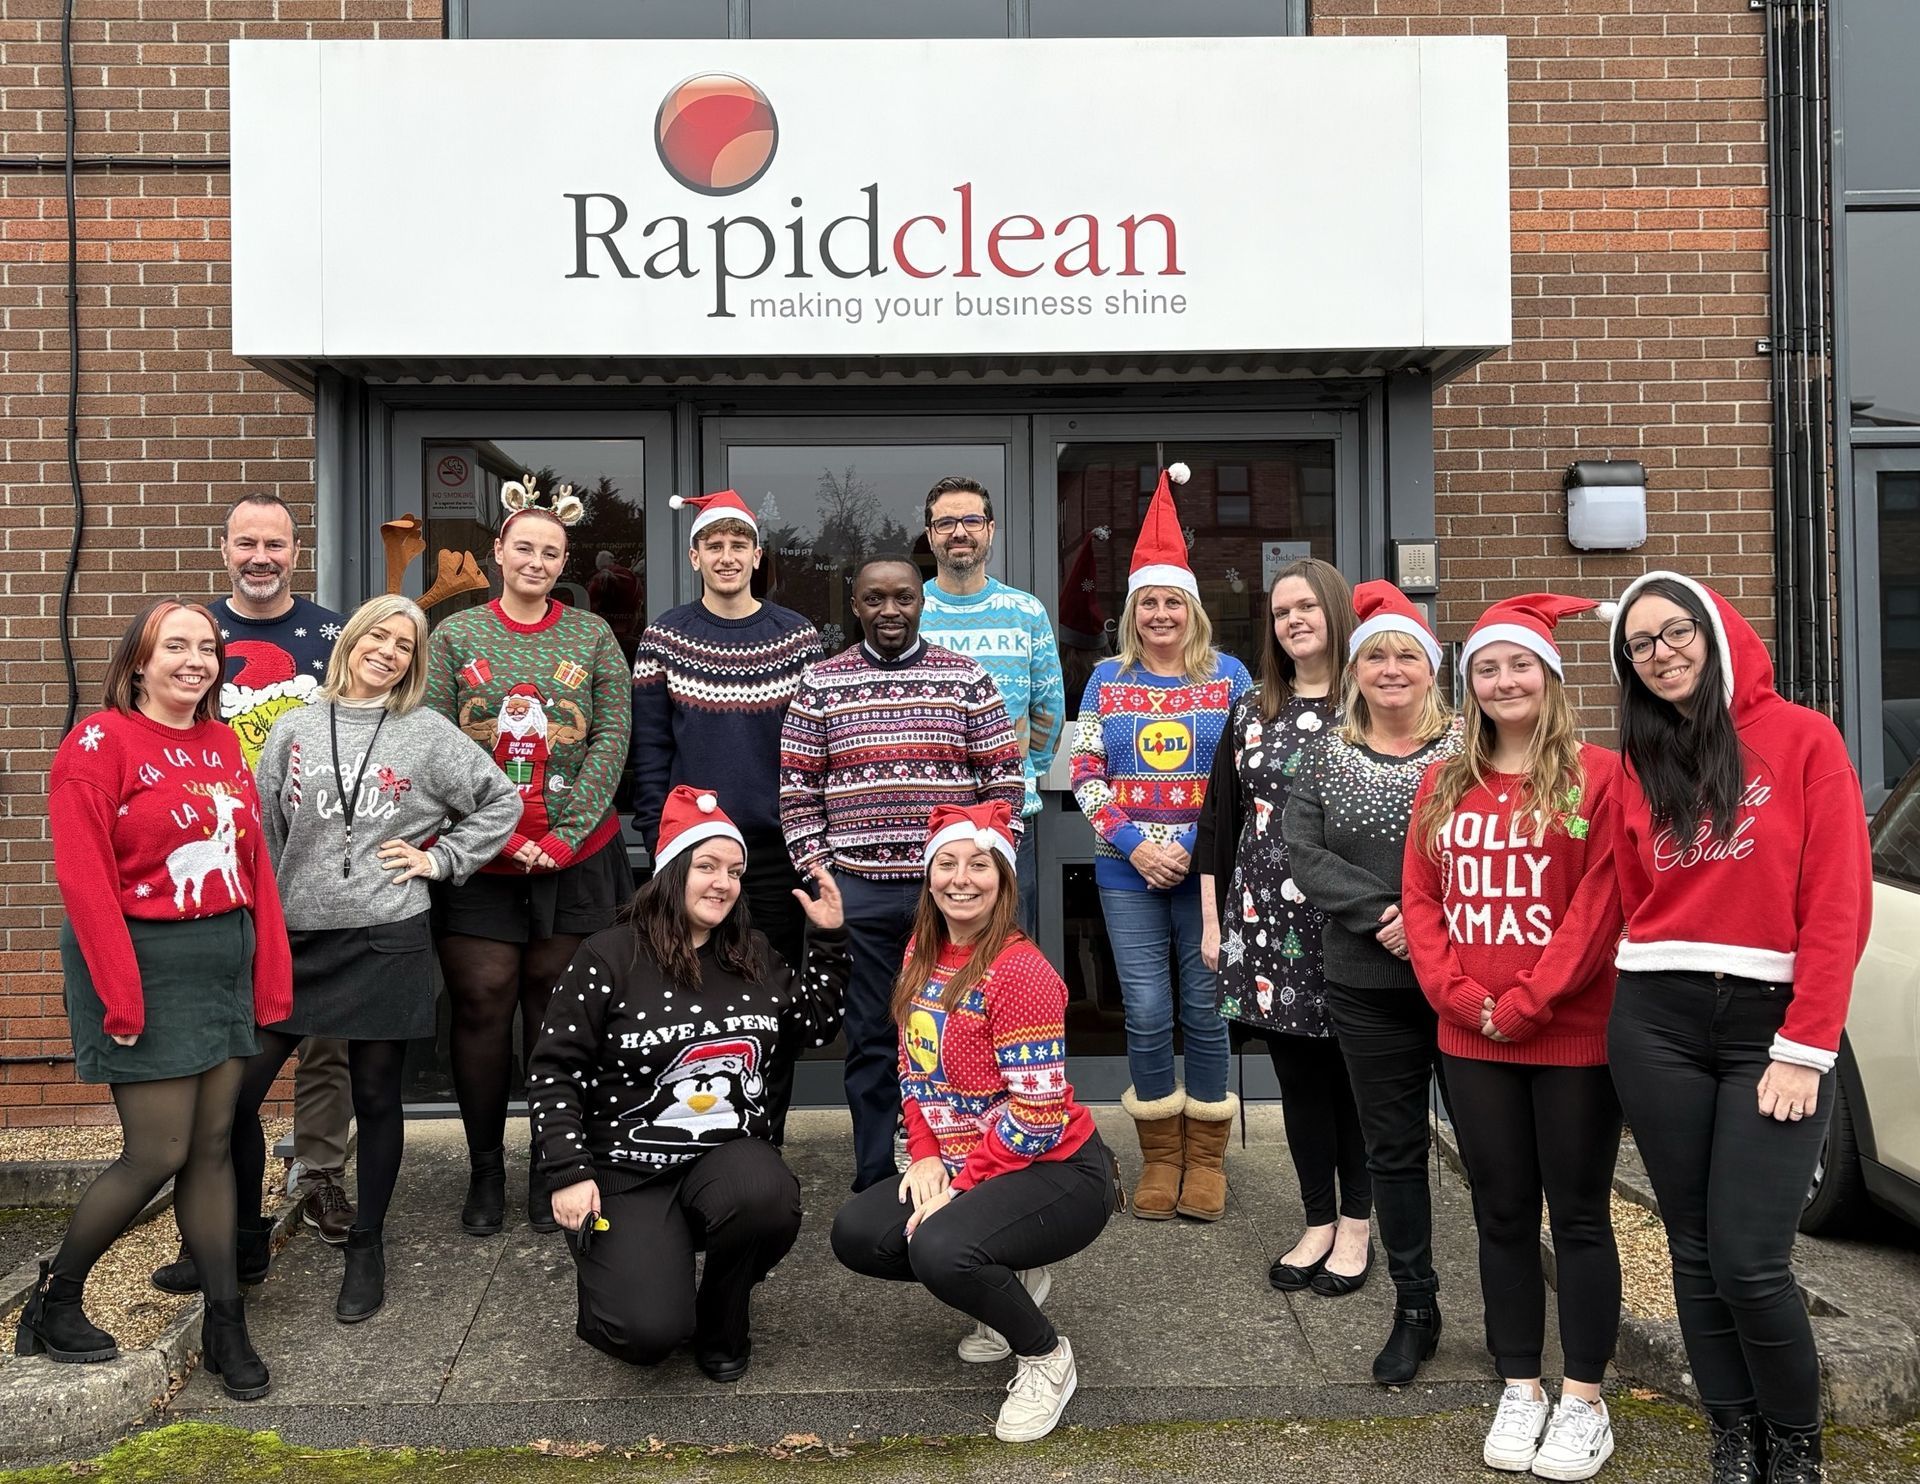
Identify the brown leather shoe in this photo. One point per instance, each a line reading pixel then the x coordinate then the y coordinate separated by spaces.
pixel 329 1212
pixel 1203 1185
pixel 1157 1122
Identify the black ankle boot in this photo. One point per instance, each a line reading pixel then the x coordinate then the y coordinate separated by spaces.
pixel 1739 1448
pixel 540 1204
pixel 54 1325
pixel 226 1352
pixel 364 1288
pixel 252 1251
pixel 1414 1338
pixel 485 1211
pixel 178 1276
pixel 1793 1455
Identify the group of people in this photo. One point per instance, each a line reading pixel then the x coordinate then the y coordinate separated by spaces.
pixel 1326 857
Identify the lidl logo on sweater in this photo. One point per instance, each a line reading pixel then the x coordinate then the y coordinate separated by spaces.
pixel 1164 745
pixel 923 1040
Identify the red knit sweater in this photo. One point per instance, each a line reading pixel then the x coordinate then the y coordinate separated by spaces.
pixel 984 1085
pixel 153 822
pixel 1525 911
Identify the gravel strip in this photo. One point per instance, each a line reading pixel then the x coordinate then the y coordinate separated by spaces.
pixel 1646 1270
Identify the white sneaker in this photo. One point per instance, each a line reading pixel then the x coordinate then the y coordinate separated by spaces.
pixel 982 1344
pixel 1037 1395
pixel 1514 1438
pixel 1578 1441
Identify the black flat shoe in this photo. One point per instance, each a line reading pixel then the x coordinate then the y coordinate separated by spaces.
pixel 721 1367
pixel 1291 1277
pixel 1335 1285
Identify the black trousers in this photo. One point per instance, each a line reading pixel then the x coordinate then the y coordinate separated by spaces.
pixel 1323 1126
pixel 1688 1051
pixel 738 1202
pixel 966 1255
pixel 769 884
pixel 879 920
pixel 1525 1130
pixel 1390 1039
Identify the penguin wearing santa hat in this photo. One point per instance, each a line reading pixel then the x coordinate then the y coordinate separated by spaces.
pixel 710 1086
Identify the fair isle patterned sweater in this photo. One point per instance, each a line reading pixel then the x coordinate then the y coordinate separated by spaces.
pixel 984 1086
pixel 1142 754
pixel 709 695
pixel 552 702
pixel 872 746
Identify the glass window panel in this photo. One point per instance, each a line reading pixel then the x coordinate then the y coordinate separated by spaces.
pixel 1897 497
pixel 1896 835
pixel 917 20
pixel 646 20
pixel 1883 317
pixel 826 508
pixel 1880 40
pixel 1160 18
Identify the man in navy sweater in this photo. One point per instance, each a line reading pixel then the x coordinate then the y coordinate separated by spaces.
pixel 711 683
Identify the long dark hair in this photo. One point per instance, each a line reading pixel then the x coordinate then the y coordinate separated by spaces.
pixel 662 931
pixel 1330 586
pixel 1689 766
pixel 930 936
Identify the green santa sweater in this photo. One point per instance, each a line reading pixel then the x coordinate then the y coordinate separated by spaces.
pixel 552 702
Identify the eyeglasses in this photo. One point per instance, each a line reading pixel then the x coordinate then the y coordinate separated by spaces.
pixel 1676 635
pixel 946 525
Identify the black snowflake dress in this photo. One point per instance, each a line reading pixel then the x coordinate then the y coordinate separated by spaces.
pixel 1270 965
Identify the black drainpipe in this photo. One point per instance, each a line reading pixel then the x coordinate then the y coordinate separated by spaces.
pixel 1802 384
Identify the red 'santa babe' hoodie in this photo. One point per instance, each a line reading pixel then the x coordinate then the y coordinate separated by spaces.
pixel 1788 895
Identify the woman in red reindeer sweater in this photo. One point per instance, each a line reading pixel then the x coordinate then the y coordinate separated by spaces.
pixel 1512 915
pixel 173 948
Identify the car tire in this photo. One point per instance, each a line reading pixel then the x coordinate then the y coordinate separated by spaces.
pixel 1837 1197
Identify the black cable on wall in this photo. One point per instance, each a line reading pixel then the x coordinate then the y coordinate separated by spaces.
pixel 73 377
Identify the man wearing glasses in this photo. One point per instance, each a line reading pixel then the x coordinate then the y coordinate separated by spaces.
pixel 1007 632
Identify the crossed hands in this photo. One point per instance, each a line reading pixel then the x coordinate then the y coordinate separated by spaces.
pixel 1163 866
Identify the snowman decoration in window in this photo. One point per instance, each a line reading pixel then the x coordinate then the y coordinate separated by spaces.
pixel 710 1087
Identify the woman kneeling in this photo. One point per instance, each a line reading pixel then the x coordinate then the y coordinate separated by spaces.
pixel 653 1089
pixel 1008 1173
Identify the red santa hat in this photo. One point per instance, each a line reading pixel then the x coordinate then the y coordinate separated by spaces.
pixel 1082 624
pixel 1526 620
pixel 1383 609
pixel 690 816
pixel 529 690
pixel 723 505
pixel 989 825
pixel 1160 555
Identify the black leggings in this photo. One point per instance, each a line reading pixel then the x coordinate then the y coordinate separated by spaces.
pixel 1323 1126
pixel 1524 1130
pixel 967 1254
pixel 487 981
pixel 374 1068
pixel 1688 1052
pixel 738 1202
pixel 180 1130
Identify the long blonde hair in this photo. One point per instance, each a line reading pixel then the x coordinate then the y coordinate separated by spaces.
pixel 1551 774
pixel 1435 714
pixel 409 690
pixel 1198 661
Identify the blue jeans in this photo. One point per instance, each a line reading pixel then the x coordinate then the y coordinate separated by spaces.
pixel 1144 926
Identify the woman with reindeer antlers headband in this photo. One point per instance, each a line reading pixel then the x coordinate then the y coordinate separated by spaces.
pixel 546 690
pixel 173 949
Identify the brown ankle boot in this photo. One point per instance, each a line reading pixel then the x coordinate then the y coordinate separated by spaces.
pixel 1161 1152
pixel 1203 1188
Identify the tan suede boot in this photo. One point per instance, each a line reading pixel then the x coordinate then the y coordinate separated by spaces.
pixel 1159 1126
pixel 1203 1187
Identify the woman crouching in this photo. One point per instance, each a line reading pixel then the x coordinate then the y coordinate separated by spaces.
pixel 650 1094
pixel 1008 1172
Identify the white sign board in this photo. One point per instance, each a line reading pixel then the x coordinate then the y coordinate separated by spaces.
pixel 1277 555
pixel 868 198
pixel 453 485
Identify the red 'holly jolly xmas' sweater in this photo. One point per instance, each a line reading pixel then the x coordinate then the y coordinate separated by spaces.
pixel 1523 909
pixel 161 823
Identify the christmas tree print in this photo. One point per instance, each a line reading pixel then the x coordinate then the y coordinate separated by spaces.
pixel 1292 764
pixel 1290 948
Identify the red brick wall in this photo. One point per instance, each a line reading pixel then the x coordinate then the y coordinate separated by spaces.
pixel 171 426
pixel 1637 136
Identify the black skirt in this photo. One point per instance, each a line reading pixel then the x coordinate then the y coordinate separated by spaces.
pixel 196 982
pixel 575 900
pixel 363 983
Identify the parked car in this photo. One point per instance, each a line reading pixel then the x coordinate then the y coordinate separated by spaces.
pixel 1872 1153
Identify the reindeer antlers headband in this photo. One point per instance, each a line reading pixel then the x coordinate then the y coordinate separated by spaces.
pixel 522 495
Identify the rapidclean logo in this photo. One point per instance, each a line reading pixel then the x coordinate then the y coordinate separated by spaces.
pixel 716 133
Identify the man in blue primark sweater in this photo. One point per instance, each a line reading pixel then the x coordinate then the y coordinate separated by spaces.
pixel 1007 633
pixel 711 683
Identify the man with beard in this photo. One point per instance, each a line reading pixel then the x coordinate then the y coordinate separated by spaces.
pixel 875 739
pixel 711 682
pixel 1008 632
pixel 277 651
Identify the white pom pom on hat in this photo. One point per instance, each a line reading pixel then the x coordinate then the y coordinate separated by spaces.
pixel 1606 612
pixel 676 502
pixel 708 803
pixel 1179 473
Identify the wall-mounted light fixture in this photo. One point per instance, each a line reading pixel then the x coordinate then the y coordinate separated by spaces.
pixel 1606 504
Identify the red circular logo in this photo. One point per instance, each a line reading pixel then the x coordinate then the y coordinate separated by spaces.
pixel 716 133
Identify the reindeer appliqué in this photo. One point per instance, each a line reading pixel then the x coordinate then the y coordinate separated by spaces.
pixel 189 865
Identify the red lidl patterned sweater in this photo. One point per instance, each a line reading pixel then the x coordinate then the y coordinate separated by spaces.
pixel 984 1085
